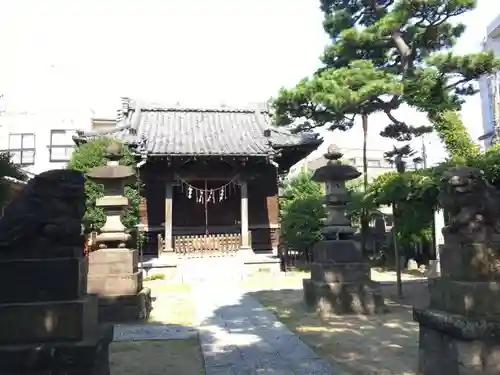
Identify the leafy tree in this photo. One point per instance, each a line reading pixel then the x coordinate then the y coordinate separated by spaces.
pixel 93 154
pixel 8 169
pixel 454 135
pixel 359 204
pixel 416 192
pixel 384 54
pixel 302 212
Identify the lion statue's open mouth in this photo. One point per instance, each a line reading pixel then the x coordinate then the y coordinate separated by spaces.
pixel 463 179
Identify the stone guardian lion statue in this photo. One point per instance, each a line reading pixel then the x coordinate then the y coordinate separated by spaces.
pixel 471 203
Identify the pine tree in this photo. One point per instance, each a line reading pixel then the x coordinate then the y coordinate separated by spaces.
pixel 399 156
pixel 385 53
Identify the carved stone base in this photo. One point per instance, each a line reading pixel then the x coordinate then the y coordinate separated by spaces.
pixel 469 298
pixel 114 284
pixel 36 286
pixel 127 308
pixel 344 298
pixel 113 261
pixel 34 322
pixel 337 251
pixel 455 345
pixel 114 277
pixel 88 357
pixel 340 272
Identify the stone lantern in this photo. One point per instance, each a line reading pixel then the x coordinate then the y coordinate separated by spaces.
pixel 113 177
pixel 340 279
pixel 113 268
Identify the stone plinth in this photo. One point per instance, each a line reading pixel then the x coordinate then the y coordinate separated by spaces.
pixel 114 277
pixel 457 345
pixel 49 323
pixel 460 329
pixel 340 279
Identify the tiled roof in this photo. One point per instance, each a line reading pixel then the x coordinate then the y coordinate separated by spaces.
pixel 186 131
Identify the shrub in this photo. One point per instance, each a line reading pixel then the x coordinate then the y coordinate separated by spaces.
pixel 302 212
pixel 93 154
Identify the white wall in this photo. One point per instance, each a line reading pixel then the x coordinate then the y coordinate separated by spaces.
pixel 486 84
pixel 41 122
pixel 486 109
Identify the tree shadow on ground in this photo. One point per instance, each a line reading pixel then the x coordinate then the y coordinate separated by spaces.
pixel 249 340
pixel 382 344
pixel 353 344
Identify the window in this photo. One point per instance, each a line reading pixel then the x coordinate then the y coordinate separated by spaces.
pixel 373 163
pixel 22 148
pixel 61 145
pixel 386 164
pixel 493 99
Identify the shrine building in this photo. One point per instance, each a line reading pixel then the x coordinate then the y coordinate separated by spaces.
pixel 209 176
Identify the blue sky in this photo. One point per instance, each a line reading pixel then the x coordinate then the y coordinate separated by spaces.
pixel 62 54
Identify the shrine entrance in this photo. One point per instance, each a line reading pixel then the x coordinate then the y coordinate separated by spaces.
pixel 206 217
pixel 194 170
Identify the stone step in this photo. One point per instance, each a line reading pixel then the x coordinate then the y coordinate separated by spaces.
pixel 125 308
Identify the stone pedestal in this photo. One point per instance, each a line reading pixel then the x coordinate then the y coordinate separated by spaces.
pixel 460 329
pixel 49 325
pixel 115 278
pixel 340 280
pixel 456 345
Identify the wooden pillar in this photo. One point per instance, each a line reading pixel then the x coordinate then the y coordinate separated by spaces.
pixel 168 217
pixel 245 239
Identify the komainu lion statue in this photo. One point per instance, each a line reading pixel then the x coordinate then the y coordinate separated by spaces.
pixel 471 203
pixel 45 218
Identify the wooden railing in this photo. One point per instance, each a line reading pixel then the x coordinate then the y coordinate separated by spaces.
pixel 210 245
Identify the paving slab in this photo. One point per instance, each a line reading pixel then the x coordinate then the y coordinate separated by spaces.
pixel 239 336
pixel 147 332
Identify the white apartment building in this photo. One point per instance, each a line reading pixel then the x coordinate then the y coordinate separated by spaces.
pixel 489 86
pixel 41 140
